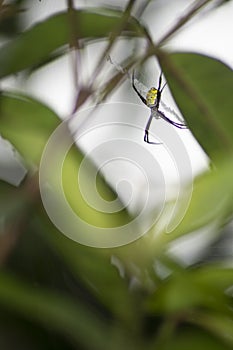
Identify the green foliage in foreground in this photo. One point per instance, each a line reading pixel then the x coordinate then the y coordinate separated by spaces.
pixel 58 294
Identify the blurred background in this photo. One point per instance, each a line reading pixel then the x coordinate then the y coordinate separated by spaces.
pixel 107 241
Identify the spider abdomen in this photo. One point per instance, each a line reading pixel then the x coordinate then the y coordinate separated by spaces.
pixel 151 97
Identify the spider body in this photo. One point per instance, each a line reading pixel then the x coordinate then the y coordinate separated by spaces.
pixel 152 97
pixel 152 101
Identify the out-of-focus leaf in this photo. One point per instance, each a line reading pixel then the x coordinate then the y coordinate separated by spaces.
pixel 218 323
pixel 180 294
pixel 55 312
pixel 37 43
pixel 81 205
pixel 202 89
pixel 192 339
pixel 11 205
pixel 211 202
pixel 93 266
pixel 9 19
pixel 27 124
pixel 201 287
pixel 16 204
pixel 215 276
pixel 6 189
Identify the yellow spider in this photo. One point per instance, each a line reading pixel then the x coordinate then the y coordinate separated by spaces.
pixel 152 101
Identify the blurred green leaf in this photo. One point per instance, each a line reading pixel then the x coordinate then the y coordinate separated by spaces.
pixel 214 276
pixel 54 311
pixel 11 205
pixel 83 206
pixel 37 43
pixel 192 339
pixel 180 294
pixel 16 205
pixel 211 202
pixel 202 89
pixel 202 287
pixel 27 124
pixel 216 322
pixel 6 189
pixel 92 266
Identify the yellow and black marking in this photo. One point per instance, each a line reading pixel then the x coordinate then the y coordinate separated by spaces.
pixel 151 97
pixel 152 101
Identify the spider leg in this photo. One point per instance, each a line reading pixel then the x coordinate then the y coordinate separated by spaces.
pixel 160 80
pixel 163 87
pixel 146 136
pixel 146 139
pixel 178 125
pixel 160 83
pixel 136 90
pixel 160 90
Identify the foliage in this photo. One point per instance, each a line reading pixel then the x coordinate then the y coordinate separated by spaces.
pixel 56 293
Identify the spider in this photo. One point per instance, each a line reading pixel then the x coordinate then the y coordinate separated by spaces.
pixel 152 100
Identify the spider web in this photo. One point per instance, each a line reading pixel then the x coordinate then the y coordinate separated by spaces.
pixel 143 89
pixel 171 111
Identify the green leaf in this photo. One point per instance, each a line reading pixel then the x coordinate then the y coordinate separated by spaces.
pixel 187 290
pixel 202 89
pixel 54 311
pixel 93 267
pixel 192 339
pixel 217 323
pixel 11 205
pixel 27 124
pixel 37 43
pixel 214 276
pixel 211 202
pixel 84 207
